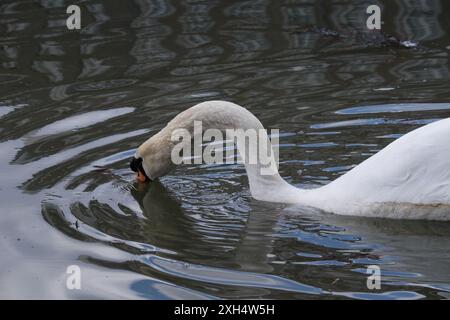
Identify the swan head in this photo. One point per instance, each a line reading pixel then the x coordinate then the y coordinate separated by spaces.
pixel 152 159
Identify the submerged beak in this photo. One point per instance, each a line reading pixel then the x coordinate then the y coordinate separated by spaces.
pixel 141 177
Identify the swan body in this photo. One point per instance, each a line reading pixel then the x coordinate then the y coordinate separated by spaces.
pixel 408 179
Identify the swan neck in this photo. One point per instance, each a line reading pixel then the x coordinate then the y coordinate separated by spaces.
pixel 252 141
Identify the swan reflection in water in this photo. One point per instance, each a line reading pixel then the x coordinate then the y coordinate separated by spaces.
pixel 273 238
pixel 173 236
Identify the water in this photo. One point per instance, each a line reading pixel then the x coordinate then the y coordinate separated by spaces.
pixel 74 105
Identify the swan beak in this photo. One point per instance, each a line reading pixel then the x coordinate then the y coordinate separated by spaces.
pixel 141 177
pixel 136 166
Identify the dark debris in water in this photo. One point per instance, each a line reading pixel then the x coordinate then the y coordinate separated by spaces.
pixel 325 32
pixel 382 39
pixel 373 38
pixel 335 281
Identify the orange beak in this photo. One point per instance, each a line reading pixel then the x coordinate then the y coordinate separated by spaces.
pixel 140 177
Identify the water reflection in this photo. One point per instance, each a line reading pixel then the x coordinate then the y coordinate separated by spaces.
pixel 169 241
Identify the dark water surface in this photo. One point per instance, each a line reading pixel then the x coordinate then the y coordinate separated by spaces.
pixel 74 105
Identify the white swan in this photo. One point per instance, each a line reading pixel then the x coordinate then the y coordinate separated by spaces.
pixel 409 179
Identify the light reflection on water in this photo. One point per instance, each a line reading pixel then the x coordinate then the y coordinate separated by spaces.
pixel 74 106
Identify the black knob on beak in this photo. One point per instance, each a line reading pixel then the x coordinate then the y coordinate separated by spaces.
pixel 136 164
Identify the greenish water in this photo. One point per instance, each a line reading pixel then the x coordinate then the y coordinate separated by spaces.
pixel 74 105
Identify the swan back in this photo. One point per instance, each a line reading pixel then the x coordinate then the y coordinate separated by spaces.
pixel 408 178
